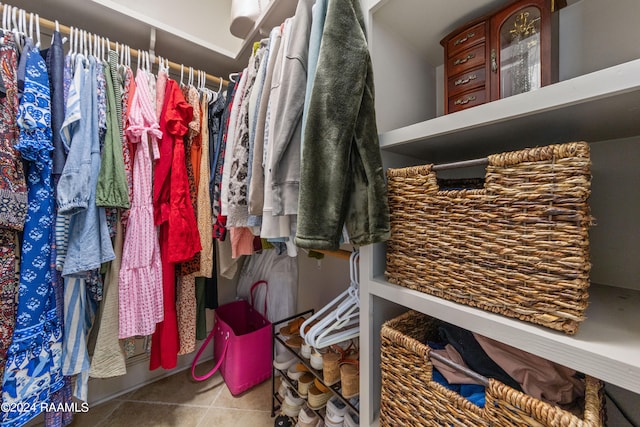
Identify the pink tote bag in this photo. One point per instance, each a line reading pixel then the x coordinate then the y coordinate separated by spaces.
pixel 242 345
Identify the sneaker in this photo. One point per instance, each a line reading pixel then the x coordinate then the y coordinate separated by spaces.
pixel 307 418
pixel 282 389
pixel 351 419
pixel 336 409
pixel 289 408
pixel 305 350
pixel 283 362
pixel 283 420
pixel 328 422
pixel 292 399
pixel 316 359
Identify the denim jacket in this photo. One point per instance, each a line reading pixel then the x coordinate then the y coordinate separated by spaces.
pixel 89 243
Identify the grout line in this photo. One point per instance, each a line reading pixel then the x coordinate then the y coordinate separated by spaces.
pixel 217 395
pixel 106 417
pixel 241 409
pixel 157 402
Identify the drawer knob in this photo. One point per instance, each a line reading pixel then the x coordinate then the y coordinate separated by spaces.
pixel 463 39
pixel 465 81
pixel 466 100
pixel 465 59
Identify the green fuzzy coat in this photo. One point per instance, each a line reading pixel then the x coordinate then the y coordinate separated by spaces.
pixel 342 179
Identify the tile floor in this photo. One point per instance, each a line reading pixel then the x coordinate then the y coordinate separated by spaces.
pixel 179 401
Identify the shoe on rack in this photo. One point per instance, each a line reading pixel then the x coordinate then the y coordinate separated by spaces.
pixel 295 341
pixel 292 328
pixel 316 359
pixel 329 422
pixel 283 420
pixel 318 395
pixel 283 361
pixel 292 398
pixel 331 367
pixel 350 379
pixel 351 419
pixel 282 389
pixel 336 409
pixel 304 382
pixel 307 418
pixel 291 405
pixel 305 350
pixel 296 370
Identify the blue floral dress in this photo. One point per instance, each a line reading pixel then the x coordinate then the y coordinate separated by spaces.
pixel 33 369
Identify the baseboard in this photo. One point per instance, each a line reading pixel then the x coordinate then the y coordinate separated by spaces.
pixel 138 375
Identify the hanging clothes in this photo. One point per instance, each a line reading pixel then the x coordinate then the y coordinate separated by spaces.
pixel 276 227
pixel 262 55
pixel 13 191
pixel 256 186
pixel 205 223
pixel 219 227
pixel 287 130
pixel 33 369
pixel 55 60
pixel 342 179
pixel 126 86
pixel 108 357
pixel 173 212
pixel 55 68
pixel 186 293
pixel 112 189
pixel 89 241
pixel 140 291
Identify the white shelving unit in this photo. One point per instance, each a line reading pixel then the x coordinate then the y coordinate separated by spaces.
pixel 597 100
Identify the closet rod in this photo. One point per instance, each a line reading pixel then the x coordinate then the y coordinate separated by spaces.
pixel 462 164
pixel 51 25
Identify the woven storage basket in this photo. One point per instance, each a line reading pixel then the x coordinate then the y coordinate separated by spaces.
pixel 410 397
pixel 518 247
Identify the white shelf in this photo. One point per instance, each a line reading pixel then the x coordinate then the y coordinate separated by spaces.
pixel 607 345
pixel 594 107
pixel 273 15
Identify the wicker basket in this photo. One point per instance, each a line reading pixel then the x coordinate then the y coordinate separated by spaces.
pixel 410 397
pixel 518 247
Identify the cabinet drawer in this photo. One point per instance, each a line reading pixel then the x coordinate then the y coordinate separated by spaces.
pixel 466 38
pixel 466 81
pixel 466 60
pixel 467 100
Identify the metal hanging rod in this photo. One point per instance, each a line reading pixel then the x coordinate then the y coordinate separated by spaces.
pixel 463 164
pixel 63 29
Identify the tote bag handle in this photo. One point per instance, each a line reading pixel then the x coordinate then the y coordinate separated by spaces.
pixel 253 287
pixel 202 347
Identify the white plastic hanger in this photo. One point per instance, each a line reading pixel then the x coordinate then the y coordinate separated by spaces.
pixel 37 18
pixel 338 320
pixel 345 320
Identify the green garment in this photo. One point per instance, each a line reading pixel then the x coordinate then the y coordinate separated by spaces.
pixel 112 189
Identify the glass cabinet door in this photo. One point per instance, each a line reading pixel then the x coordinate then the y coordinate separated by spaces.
pixel 520 52
pixel 524 48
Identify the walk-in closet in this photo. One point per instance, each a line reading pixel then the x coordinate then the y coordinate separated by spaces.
pixel 325 213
